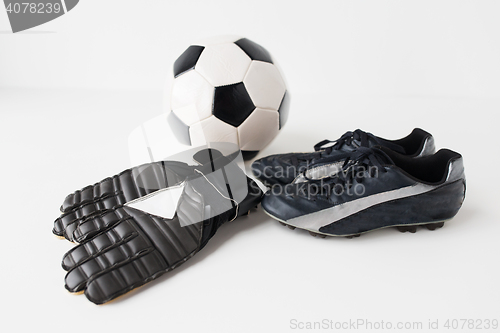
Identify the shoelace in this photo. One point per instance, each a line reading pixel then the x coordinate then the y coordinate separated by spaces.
pixel 355 168
pixel 348 138
pixel 234 202
pixel 355 139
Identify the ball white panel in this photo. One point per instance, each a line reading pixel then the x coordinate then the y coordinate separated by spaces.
pixel 223 64
pixel 212 130
pixel 264 85
pixel 258 129
pixel 191 97
pixel 280 70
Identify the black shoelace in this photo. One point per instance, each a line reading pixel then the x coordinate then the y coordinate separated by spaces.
pixel 355 139
pixel 361 163
pixel 349 139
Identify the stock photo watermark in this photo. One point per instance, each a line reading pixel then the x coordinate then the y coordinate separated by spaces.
pixel 325 180
pixel 367 324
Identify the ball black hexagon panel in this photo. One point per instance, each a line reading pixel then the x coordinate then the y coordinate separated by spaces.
pixel 254 50
pixel 232 104
pixel 284 108
pixel 187 60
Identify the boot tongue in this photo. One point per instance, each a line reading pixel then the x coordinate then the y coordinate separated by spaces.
pixel 381 153
pixel 362 154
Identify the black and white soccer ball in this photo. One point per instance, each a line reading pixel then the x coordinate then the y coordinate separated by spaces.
pixel 228 89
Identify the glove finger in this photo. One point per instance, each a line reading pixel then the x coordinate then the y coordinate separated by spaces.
pixel 90 227
pixel 102 253
pixel 66 219
pixel 123 278
pixel 101 245
pixel 88 194
pixel 67 222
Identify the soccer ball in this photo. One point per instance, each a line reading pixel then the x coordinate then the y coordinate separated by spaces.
pixel 228 90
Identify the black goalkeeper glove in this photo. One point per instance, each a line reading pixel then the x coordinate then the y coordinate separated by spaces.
pixel 122 247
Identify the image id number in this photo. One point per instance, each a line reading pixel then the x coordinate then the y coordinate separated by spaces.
pixel 34 8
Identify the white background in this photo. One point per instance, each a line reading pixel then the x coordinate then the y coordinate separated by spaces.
pixel 72 90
